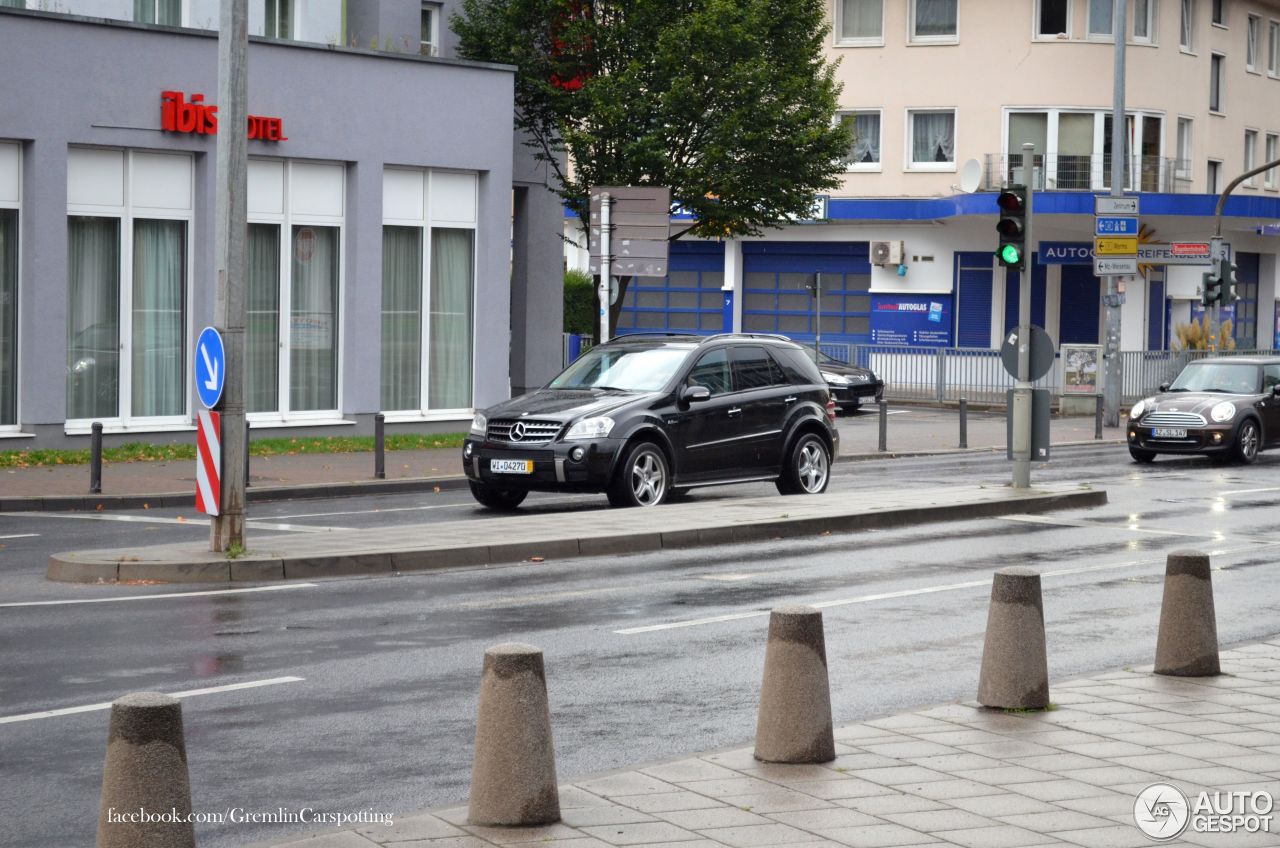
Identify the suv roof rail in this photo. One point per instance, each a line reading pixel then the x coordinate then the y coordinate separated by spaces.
pixel 775 336
pixel 657 333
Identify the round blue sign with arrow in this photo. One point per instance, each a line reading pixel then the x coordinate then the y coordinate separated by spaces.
pixel 211 367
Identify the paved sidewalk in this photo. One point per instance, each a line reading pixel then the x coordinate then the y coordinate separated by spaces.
pixel 955 775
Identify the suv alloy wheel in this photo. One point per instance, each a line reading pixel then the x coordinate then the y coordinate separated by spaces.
pixel 642 479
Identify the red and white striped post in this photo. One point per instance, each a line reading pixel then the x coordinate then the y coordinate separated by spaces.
pixel 208 461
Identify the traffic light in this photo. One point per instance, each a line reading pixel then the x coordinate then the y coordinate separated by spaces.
pixel 1211 284
pixel 1227 273
pixel 1012 227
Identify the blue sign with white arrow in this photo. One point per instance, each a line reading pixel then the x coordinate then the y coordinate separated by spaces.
pixel 211 367
pixel 1115 225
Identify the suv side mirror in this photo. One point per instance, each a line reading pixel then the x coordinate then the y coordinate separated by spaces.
pixel 1164 387
pixel 1275 390
pixel 694 394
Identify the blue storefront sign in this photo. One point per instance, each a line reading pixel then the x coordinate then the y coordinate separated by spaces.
pixel 917 320
pixel 1065 253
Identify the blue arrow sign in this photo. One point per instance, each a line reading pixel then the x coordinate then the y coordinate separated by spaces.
pixel 211 367
pixel 1115 226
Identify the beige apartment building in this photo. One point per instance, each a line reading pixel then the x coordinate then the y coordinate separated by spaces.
pixel 906 254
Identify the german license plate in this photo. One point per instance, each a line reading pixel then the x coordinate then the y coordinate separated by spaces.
pixel 511 466
pixel 1169 433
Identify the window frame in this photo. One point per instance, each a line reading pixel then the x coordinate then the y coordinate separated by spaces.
pixel 432 47
pixel 1273 48
pixel 839 40
pixel 1089 32
pixel 1151 21
pixel 16 207
pixel 1184 156
pixel 1217 87
pixel 271 24
pixel 1271 150
pixel 1213 175
pixel 1252 43
pixel 913 38
pixel 911 166
pixel 1036 23
pixel 865 167
pixel 1218 13
pixel 1187 26
pixel 1250 156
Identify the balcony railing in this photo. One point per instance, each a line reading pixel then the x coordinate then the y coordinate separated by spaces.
pixel 1069 172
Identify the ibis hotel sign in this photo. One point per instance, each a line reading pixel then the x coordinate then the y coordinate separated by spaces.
pixel 195 117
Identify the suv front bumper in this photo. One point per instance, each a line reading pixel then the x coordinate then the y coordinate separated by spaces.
pixel 554 466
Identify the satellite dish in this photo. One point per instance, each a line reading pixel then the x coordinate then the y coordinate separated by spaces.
pixel 970 176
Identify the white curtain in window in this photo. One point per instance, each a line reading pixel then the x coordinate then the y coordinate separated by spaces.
pixel 866 139
pixel 1187 31
pixel 1142 20
pixel 8 316
pixel 861 18
pixel 93 317
pixel 262 336
pixel 401 317
pixel 159 277
pixel 1100 13
pixel 935 17
pixel 313 320
pixel 1251 43
pixel 450 330
pixel 933 137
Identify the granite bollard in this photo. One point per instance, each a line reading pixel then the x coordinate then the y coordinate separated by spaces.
pixel 1187 645
pixel 145 786
pixel 513 778
pixel 1015 666
pixel 794 724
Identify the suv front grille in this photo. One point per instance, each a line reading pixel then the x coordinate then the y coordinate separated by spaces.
pixel 522 431
pixel 1173 419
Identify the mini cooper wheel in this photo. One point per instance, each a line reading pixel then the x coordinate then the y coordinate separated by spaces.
pixel 493 497
pixel 808 467
pixel 642 479
pixel 1142 456
pixel 1245 449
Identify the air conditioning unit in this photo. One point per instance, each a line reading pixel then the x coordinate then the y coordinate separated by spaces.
pixel 886 253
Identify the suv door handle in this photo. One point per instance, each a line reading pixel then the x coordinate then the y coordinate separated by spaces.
pixel 735 411
pixel 789 400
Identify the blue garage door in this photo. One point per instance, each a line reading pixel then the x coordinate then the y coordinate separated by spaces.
pixel 1078 306
pixel 687 300
pixel 776 298
pixel 1245 329
pixel 1012 291
pixel 973 299
pixel 1157 315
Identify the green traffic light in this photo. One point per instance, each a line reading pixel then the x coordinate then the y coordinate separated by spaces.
pixel 1010 255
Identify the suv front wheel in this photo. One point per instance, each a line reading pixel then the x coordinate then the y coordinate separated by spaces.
pixel 808 467
pixel 643 477
pixel 504 500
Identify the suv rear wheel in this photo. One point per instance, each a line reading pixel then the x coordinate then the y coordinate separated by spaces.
pixel 643 477
pixel 808 467
pixel 495 498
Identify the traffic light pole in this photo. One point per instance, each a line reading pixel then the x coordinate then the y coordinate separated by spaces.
pixel 1022 388
pixel 1119 157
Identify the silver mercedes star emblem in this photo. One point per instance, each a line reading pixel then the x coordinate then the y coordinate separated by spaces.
pixel 517 431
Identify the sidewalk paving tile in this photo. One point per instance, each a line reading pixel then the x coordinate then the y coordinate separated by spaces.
pixel 998 836
pixel 880 836
pixel 684 771
pixel 825 819
pixel 882 805
pixel 957 763
pixel 611 814
pixel 898 775
pixel 756 835
pixel 1115 836
pixel 712 818
pixel 1003 804
pixel 668 802
pixel 1003 774
pixel 346 839
pixel 627 783
pixel 509 835
pixel 413 827
pixel 1055 821
pixel 1056 790
pixel 837 790
pixel 946 790
pixel 777 800
pixel 641 833
pixel 932 821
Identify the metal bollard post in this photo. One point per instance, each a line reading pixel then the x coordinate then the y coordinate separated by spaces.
pixel 379 447
pixel 964 423
pixel 884 425
pixel 246 453
pixel 1097 417
pixel 95 460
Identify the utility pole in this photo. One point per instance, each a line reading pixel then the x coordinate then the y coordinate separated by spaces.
pixel 606 266
pixel 1112 299
pixel 817 324
pixel 227 528
pixel 1022 387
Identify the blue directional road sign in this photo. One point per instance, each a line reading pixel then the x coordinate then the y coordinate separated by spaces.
pixel 1115 226
pixel 211 367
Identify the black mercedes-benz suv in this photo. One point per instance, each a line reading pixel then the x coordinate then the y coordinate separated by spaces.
pixel 644 418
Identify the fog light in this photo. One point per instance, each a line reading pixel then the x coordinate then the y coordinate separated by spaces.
pixel 1133 434
pixel 577 454
pixel 466 450
pixel 1217 438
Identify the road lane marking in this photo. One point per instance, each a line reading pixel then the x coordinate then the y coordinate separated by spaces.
pixel 189 693
pixel 280 588
pixel 463 505
pixel 156 519
pixel 20 536
pixel 1098 525
pixel 1249 491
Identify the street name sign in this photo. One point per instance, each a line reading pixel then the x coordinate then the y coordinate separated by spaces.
pixel 1106 205
pixel 639 225
pixel 1115 246
pixel 1104 266
pixel 211 367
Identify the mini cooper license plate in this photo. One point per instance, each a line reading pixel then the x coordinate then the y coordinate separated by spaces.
pixel 1169 433
pixel 511 466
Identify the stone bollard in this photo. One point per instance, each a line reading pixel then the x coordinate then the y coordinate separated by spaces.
pixel 794 725
pixel 513 779
pixel 1015 667
pixel 145 773
pixel 1188 642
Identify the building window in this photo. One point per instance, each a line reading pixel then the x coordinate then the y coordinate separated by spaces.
pixel 1100 17
pixel 1183 165
pixel 1273 48
pixel 861 21
pixel 1272 151
pixel 8 317
pixel 14 4
pixel 932 142
pixel 1250 154
pixel 1220 12
pixel 933 20
pixel 166 12
pixel 1214 176
pixel 1144 24
pixel 1216 62
pixel 1252 33
pixel 429 40
pixel 279 20
pixel 1187 29
pixel 1053 18
pixel 864 152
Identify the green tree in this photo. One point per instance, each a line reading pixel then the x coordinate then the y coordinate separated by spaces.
pixel 730 103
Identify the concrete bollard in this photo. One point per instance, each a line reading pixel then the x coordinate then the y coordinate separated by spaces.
pixel 1188 642
pixel 145 776
pixel 794 725
pixel 513 779
pixel 1015 667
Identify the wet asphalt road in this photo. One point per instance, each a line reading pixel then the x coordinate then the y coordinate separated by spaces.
pixel 383 716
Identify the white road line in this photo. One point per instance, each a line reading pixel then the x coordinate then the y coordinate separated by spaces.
pixel 199 522
pixel 280 588
pixel 464 505
pixel 20 536
pixel 1249 491
pixel 212 690
pixel 1097 525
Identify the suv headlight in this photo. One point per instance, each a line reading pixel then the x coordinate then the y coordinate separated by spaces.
pixel 1138 408
pixel 835 379
pixel 1224 411
pixel 591 428
pixel 479 424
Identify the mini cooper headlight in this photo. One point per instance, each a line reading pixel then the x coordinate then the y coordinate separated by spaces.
pixel 1224 411
pixel 1138 408
pixel 479 424
pixel 591 428
pixel 835 379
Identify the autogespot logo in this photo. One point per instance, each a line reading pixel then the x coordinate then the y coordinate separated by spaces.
pixel 1161 811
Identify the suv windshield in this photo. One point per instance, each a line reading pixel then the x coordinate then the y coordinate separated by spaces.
pixel 624 368
pixel 1230 378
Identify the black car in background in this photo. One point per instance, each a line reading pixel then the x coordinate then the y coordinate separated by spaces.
pixel 849 384
pixel 644 418
pixel 1226 407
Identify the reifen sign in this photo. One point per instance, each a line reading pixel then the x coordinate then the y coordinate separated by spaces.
pixel 195 117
